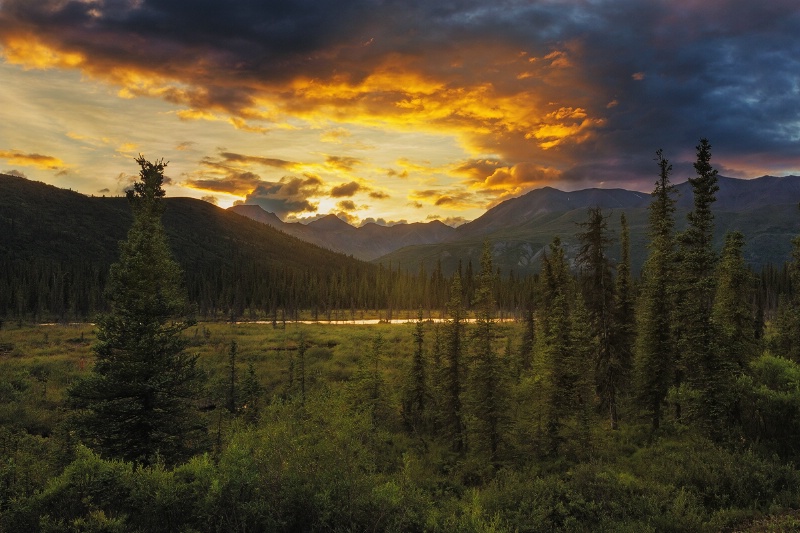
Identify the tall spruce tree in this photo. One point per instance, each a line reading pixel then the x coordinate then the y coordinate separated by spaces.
pixel 733 305
pixel 655 347
pixel 598 292
pixel 624 331
pixel 416 393
pixel 138 403
pixel 698 366
pixel 734 343
pixel 487 394
pixel 452 370
pixel 558 364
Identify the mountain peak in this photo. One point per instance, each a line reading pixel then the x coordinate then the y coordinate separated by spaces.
pixel 330 223
pixel 257 213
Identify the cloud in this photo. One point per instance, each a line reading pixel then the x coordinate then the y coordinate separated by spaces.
pixel 345 190
pixel 522 82
pixel 336 135
pixel 346 205
pixel 346 164
pixel 185 145
pixel 231 172
pixel 397 174
pixel 347 217
pixel 45 162
pixel 15 172
pixel 451 199
pixel 450 221
pixel 382 222
pixel 210 199
pixel 289 195
pixel 504 182
pixel 239 183
pixel 379 195
pixel 232 157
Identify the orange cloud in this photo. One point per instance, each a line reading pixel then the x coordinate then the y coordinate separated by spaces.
pixel 30 53
pixel 504 182
pixel 46 162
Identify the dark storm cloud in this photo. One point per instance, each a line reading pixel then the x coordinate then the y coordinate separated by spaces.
pixel 645 75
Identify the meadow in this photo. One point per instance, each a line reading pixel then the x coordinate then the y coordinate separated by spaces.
pixel 304 449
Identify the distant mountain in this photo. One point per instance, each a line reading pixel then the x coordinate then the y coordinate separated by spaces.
pixel 548 200
pixel 520 229
pixel 367 242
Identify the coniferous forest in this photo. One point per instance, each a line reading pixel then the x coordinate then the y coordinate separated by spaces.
pixel 234 396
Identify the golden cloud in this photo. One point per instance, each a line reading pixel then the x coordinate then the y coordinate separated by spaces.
pixel 451 199
pixel 46 162
pixel 30 53
pixel 507 115
pixel 346 164
pixel 196 114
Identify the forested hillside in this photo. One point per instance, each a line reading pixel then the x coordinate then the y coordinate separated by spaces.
pixel 763 209
pixel 57 246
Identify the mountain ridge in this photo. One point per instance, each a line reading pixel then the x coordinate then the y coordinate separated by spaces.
pixel 367 242
pixel 521 228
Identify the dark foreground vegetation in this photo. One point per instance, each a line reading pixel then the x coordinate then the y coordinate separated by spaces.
pixel 669 402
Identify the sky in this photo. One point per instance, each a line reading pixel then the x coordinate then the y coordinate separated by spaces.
pixel 390 111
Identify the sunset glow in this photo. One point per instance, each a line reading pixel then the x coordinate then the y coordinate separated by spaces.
pixel 365 112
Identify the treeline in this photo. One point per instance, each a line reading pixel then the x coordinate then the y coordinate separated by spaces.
pixel 41 289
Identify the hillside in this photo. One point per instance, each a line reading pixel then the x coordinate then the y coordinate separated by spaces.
pixel 44 229
pixel 764 209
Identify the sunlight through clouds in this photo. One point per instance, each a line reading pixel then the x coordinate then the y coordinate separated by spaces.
pixel 551 93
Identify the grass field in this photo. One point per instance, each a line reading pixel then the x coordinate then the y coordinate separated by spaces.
pixel 323 463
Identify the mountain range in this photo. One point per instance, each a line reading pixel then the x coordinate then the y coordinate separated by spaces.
pixel 764 209
pixel 42 221
pixel 368 242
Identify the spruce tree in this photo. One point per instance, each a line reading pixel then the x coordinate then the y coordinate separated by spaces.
pixel 556 363
pixel 734 345
pixel 598 293
pixel 452 416
pixel 655 347
pixel 486 399
pixel 733 306
pixel 624 331
pixel 525 352
pixel 697 366
pixel 138 403
pixel 415 401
